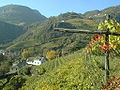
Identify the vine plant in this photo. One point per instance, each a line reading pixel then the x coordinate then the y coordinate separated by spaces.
pixel 98 45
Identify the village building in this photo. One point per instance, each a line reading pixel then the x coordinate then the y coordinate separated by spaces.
pixel 36 60
pixel 16 66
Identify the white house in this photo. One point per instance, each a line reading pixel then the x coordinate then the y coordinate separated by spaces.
pixel 36 61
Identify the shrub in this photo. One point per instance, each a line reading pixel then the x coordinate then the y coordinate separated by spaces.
pixel 51 54
pixel 15 83
pixel 25 71
pixel 38 70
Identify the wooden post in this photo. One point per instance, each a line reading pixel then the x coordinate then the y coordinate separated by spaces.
pixel 107 66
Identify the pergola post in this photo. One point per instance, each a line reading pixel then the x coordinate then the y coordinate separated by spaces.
pixel 107 66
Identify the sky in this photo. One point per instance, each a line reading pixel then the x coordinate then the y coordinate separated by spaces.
pixel 55 7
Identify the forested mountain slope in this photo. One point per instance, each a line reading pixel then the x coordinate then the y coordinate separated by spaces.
pixel 20 14
pixel 9 32
pixel 42 35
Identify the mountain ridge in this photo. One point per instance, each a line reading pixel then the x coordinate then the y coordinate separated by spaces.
pixel 17 14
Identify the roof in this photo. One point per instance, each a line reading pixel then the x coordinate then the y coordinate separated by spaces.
pixel 36 58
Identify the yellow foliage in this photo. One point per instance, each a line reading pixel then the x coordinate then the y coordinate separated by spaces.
pixel 51 54
pixel 77 21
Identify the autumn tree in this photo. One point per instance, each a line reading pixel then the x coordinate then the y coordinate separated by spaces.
pixel 51 54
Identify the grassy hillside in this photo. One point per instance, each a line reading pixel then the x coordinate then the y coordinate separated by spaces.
pixel 42 36
pixel 83 23
pixel 72 72
pixel 75 74
pixel 70 15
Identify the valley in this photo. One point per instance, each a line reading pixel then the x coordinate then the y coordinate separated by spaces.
pixel 36 57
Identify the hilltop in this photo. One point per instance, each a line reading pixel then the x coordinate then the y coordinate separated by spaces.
pixel 99 15
pixel 20 14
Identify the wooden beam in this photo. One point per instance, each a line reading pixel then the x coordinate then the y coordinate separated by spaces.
pixel 86 31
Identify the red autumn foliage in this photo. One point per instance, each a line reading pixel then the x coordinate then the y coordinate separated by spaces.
pixel 97 37
pixel 92 42
pixel 112 84
pixel 105 47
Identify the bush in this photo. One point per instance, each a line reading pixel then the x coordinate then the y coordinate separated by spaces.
pixel 51 55
pixel 38 70
pixel 25 71
pixel 15 83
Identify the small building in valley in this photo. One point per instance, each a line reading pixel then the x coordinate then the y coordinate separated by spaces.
pixel 36 60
